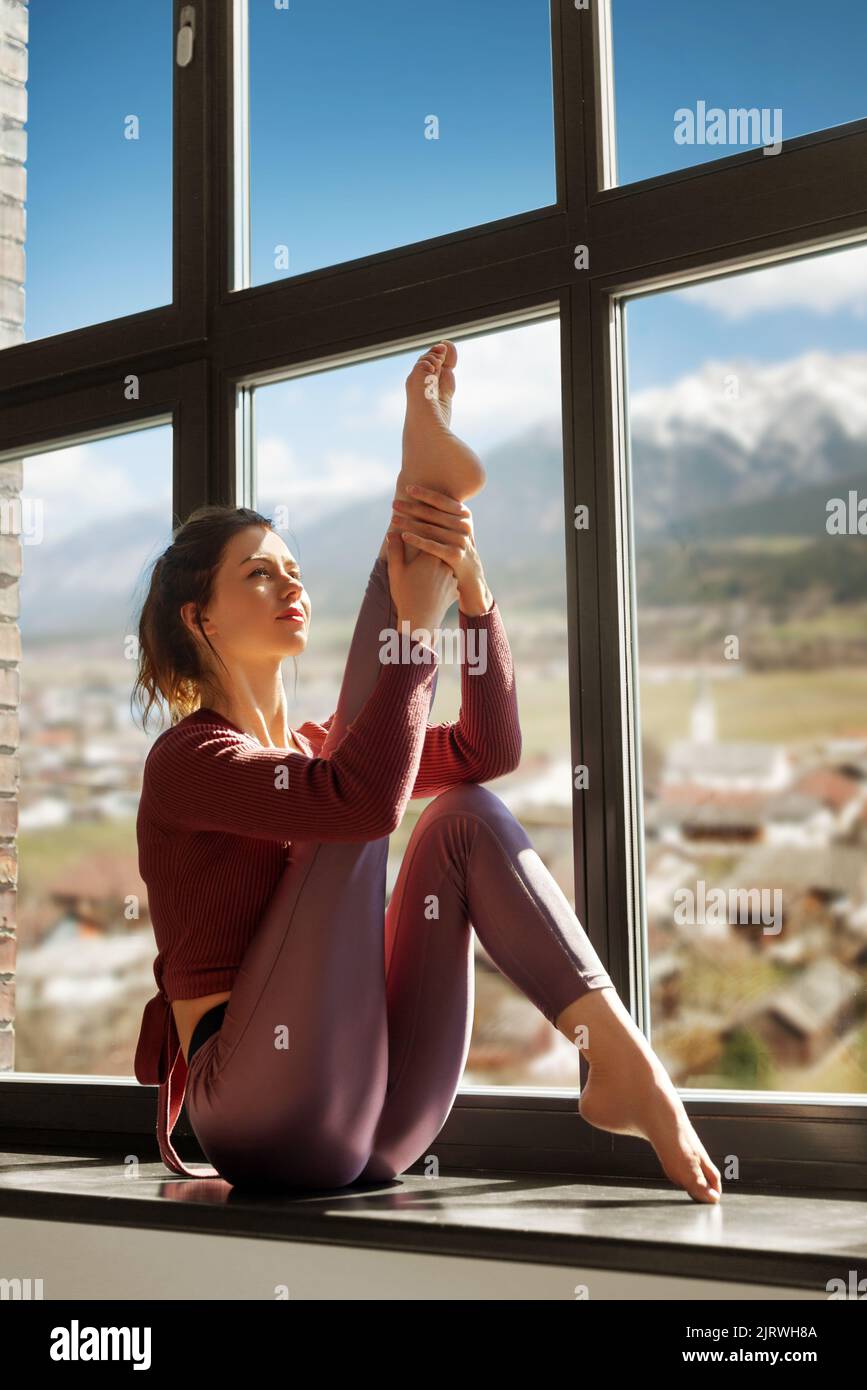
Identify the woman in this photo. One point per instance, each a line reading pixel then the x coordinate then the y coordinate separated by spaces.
pixel 320 1038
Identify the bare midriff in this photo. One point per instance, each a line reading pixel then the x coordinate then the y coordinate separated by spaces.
pixel 188 1012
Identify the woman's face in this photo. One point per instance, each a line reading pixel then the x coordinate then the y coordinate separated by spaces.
pixel 257 581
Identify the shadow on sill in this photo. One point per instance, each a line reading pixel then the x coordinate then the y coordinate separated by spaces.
pixel 800 1240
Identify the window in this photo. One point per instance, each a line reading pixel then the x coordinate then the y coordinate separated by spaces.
pixel 748 442
pixel 93 515
pixel 368 136
pixel 322 442
pixel 88 205
pixel 676 353
pixel 697 82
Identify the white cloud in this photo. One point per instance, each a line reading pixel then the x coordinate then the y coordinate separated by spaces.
pixel 504 382
pixel 101 479
pixel 783 401
pixel 823 284
pixel 307 492
pixel 276 465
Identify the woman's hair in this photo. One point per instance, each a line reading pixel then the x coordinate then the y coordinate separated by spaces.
pixel 169 661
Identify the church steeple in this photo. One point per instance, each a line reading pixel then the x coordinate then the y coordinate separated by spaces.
pixel 703 719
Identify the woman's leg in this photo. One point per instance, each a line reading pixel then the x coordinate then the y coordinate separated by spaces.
pixel 468 861
pixel 290 1090
pixel 362 663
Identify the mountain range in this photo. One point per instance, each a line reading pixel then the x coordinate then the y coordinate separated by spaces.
pixel 704 464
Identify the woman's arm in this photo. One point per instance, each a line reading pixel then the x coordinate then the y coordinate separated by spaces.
pixel 485 740
pixel 203 775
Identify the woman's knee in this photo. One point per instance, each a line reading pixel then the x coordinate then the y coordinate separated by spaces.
pixel 468 796
pixel 473 795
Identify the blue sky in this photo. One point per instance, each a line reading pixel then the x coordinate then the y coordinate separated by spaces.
pixel 340 167
pixel 802 57
pixel 99 206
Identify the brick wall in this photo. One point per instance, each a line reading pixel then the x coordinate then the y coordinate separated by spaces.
pixel 13 150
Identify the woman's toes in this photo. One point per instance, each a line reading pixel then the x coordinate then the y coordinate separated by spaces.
pixel 714 1181
pixel 687 1165
pixel 701 1184
pixel 431 364
pixel 692 1177
pixel 433 358
pixel 711 1172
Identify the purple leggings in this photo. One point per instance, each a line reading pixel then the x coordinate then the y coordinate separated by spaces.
pixel 349 1024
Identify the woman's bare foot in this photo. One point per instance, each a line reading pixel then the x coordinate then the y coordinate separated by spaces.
pixel 432 455
pixel 629 1091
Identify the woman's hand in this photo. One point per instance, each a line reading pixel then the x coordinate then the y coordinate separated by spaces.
pixel 443 527
pixel 423 589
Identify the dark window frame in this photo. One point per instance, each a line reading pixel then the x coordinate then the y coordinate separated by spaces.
pixel 192 357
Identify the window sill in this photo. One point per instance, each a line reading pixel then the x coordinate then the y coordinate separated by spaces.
pixel 799 1241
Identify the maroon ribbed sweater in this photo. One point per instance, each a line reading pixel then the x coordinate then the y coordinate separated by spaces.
pixel 218 813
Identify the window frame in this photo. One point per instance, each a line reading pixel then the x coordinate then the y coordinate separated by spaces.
pixel 195 357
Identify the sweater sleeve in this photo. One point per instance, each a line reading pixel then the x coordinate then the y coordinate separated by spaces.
pixel 485 741
pixel 207 776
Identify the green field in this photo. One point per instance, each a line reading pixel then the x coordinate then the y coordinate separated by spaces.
pixel 772 706
pixel 775 706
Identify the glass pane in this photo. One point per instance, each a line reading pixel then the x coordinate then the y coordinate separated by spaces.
pixel 87 218
pixel 92 517
pixel 329 492
pixel 748 435
pixel 369 135
pixel 696 82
